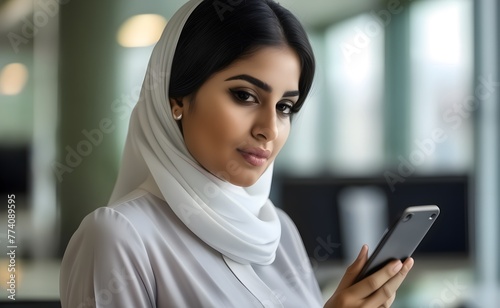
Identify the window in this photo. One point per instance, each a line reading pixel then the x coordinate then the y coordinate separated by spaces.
pixel 441 72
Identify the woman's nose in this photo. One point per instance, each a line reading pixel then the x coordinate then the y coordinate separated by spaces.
pixel 266 126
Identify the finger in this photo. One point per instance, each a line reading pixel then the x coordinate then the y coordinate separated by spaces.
pixel 389 302
pixel 388 290
pixel 354 269
pixel 372 283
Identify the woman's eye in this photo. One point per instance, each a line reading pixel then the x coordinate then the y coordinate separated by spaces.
pixel 285 108
pixel 243 96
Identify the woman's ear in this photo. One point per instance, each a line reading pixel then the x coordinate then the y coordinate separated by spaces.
pixel 176 101
pixel 176 106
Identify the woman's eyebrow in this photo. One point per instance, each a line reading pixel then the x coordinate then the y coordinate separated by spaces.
pixel 291 93
pixel 256 82
pixel 261 84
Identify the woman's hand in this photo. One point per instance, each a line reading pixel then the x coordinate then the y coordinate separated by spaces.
pixel 376 290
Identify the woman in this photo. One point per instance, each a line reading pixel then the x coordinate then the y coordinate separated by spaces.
pixel 189 223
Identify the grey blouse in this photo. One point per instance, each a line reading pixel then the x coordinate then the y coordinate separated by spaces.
pixel 139 254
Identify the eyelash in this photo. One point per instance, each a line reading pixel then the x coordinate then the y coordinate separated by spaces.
pixel 236 94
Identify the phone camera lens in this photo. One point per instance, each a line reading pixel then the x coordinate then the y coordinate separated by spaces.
pixel 432 216
pixel 408 217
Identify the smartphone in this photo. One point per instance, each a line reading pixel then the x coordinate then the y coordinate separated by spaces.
pixel 402 238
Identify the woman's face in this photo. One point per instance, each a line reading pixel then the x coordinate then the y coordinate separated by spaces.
pixel 240 117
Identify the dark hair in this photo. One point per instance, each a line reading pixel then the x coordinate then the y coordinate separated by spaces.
pixel 222 31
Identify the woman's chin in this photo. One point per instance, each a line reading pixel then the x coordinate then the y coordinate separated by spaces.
pixel 244 179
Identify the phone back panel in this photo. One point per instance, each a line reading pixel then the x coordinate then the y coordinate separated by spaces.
pixel 401 240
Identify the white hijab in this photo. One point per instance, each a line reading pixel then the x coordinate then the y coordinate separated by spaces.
pixel 240 223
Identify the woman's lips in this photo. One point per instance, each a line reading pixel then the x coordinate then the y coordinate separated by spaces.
pixel 255 156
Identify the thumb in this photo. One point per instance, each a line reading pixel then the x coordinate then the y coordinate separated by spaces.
pixel 354 269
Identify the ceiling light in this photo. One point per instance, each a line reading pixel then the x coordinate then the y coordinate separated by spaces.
pixel 13 78
pixel 141 30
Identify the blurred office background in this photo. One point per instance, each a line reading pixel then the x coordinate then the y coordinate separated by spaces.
pixel 404 111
